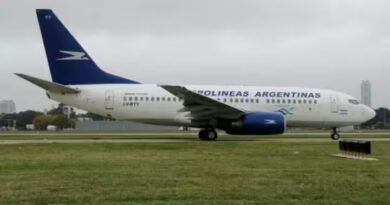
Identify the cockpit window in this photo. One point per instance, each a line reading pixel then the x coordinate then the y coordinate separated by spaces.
pixel 353 101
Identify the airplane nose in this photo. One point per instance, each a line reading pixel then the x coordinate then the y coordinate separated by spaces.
pixel 370 113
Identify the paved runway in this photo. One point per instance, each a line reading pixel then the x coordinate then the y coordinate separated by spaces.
pixel 97 133
pixel 163 133
pixel 154 141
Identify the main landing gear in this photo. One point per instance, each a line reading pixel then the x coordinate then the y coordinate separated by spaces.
pixel 335 135
pixel 208 134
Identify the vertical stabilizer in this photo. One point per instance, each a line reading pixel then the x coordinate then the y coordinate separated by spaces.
pixel 69 63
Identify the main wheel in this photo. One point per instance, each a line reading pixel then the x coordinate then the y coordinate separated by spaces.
pixel 202 135
pixel 212 135
pixel 208 134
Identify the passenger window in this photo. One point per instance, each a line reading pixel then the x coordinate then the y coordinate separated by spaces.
pixel 157 98
pixel 294 101
pixel 168 99
pixel 267 100
pixel 141 98
pixel 241 100
pixel 277 101
pixel 309 101
pixel 289 101
pixel 224 100
pixel 299 101
pixel 162 99
pixel 152 99
pixel 304 101
pixel 130 98
pixel 124 98
pixel 315 101
pixel 231 100
pixel 174 99
pixel 251 100
pixel 236 100
pixel 273 101
pixel 284 101
pixel 146 98
pixel 257 100
pixel 135 98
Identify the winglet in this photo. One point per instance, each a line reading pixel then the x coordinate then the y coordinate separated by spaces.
pixel 51 86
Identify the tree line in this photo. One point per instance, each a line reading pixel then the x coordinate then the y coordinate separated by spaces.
pixel 40 120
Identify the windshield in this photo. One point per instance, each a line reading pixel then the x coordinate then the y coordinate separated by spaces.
pixel 353 101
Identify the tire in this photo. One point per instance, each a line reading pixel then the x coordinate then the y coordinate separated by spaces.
pixel 335 136
pixel 212 135
pixel 202 135
pixel 209 135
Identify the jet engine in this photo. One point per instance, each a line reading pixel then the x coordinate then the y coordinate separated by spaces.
pixel 258 123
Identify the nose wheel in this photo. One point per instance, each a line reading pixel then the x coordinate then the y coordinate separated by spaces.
pixel 208 134
pixel 335 135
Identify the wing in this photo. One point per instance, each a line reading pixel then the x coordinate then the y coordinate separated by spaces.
pixel 202 107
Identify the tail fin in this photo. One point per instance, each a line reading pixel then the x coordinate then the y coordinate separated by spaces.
pixel 69 63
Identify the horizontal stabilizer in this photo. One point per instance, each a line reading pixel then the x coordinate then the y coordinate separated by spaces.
pixel 54 87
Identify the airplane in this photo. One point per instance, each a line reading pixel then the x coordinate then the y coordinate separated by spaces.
pixel 238 110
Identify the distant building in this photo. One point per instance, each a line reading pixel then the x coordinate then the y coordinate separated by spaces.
pixel 7 106
pixel 366 92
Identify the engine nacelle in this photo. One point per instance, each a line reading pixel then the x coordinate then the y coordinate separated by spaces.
pixel 258 123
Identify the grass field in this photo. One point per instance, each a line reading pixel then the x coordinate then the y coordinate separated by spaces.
pixel 230 172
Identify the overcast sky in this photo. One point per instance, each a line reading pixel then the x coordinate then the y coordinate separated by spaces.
pixel 323 44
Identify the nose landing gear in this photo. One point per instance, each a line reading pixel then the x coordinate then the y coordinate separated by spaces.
pixel 335 135
pixel 208 134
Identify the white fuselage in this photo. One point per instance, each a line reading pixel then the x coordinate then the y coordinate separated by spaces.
pixel 148 103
